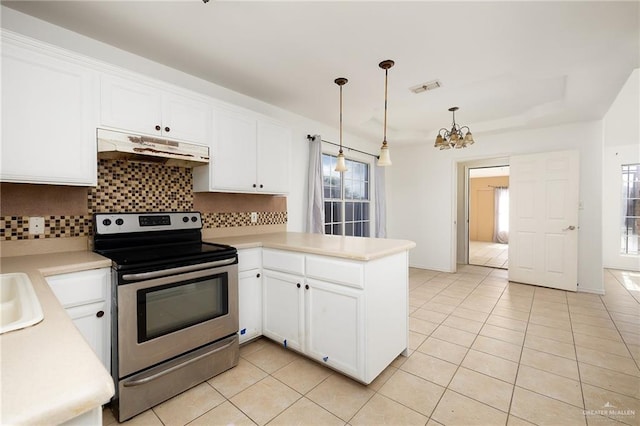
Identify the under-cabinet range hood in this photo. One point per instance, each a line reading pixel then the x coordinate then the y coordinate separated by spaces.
pixel 122 146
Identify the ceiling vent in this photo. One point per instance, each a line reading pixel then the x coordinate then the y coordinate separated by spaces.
pixel 429 85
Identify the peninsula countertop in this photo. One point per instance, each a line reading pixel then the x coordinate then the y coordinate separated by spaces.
pixel 49 373
pixel 354 248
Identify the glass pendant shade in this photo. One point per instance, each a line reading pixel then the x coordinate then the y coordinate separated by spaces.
pixel 341 165
pixel 385 157
pixel 439 141
pixel 468 138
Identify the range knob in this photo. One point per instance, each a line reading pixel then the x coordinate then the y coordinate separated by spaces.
pixel 185 219
pixel 106 222
pixel 194 218
pixel 119 221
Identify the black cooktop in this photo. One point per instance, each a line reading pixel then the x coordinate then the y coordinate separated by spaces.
pixel 167 255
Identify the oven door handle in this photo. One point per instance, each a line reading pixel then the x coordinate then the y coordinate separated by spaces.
pixel 179 270
pixel 154 376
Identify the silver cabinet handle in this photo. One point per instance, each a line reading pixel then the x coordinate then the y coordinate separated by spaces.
pixel 569 228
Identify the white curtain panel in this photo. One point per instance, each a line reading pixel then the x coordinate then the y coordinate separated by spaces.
pixel 501 216
pixel 315 207
pixel 381 203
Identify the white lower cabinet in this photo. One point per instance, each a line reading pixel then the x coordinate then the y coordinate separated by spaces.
pixel 349 315
pixel 250 304
pixel 249 293
pixel 283 308
pixel 334 326
pixel 85 296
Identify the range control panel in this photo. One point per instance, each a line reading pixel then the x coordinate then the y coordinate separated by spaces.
pixel 120 223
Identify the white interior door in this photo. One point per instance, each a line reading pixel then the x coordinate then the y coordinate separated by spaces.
pixel 543 240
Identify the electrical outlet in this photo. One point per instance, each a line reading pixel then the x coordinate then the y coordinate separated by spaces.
pixel 254 217
pixel 36 225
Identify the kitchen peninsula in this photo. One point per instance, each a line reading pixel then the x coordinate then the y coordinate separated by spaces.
pixel 339 300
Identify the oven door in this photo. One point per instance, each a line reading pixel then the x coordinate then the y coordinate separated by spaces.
pixel 161 318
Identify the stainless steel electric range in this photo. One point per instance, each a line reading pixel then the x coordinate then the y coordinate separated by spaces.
pixel 174 305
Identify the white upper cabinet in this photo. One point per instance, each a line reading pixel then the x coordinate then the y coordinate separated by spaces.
pixel 48 116
pixel 233 152
pixel 145 109
pixel 248 154
pixel 274 147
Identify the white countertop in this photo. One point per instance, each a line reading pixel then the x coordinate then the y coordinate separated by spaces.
pixel 355 248
pixel 49 373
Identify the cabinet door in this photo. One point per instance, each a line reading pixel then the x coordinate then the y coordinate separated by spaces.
pixel 93 322
pixel 186 119
pixel 128 105
pixel 250 304
pixel 282 308
pixel 48 119
pixel 233 156
pixel 334 332
pixel 274 147
pixel 85 295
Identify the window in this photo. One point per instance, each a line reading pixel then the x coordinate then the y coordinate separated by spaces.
pixel 630 208
pixel 346 198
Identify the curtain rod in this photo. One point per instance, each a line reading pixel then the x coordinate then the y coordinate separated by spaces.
pixel 309 137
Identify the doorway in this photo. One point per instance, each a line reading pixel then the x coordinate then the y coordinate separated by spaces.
pixel 488 216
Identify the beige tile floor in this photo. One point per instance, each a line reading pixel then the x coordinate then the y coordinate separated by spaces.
pixel 484 253
pixel 483 352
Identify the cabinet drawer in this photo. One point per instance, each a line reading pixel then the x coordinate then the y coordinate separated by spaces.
pixel 283 261
pixel 249 259
pixel 79 288
pixel 335 270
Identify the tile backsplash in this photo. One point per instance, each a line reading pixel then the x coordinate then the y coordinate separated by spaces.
pixel 129 187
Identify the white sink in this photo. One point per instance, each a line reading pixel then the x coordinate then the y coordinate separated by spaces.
pixel 19 305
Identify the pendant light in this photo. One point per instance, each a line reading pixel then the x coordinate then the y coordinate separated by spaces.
pixel 341 165
pixel 385 158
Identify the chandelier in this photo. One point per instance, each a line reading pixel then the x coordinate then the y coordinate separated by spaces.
pixel 457 137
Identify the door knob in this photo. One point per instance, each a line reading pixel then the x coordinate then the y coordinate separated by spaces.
pixel 569 228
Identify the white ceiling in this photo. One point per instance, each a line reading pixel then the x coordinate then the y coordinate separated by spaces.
pixel 507 65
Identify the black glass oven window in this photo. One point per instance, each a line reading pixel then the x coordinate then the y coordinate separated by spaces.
pixel 165 309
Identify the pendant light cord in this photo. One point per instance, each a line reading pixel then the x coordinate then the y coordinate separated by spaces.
pixel 340 119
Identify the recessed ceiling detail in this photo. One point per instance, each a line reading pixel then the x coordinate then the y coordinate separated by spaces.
pixel 499 67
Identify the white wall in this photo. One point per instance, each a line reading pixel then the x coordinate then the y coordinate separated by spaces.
pixel 302 126
pixel 621 146
pixel 422 187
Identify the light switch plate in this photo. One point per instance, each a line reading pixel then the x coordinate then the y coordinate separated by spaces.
pixel 36 225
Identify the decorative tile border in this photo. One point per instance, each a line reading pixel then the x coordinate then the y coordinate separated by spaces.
pixel 132 187
pixel 229 220
pixel 14 228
